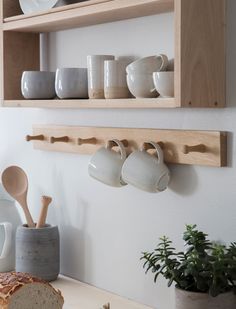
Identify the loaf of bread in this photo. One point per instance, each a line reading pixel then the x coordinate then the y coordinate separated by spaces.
pixel 22 291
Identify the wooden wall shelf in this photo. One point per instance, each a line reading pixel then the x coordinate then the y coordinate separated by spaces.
pixel 200 64
pixel 115 103
pixel 174 142
pixel 85 14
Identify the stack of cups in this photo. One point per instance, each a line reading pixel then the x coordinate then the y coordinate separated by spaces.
pixel 140 75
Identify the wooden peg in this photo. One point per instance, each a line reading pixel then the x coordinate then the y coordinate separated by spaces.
pixel 92 141
pixel 62 139
pixel 111 144
pixel 147 145
pixel 34 137
pixel 196 148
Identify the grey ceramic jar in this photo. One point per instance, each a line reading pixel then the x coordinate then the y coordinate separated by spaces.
pixel 38 251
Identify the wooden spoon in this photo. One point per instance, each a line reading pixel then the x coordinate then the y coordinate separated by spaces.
pixel 46 200
pixel 15 182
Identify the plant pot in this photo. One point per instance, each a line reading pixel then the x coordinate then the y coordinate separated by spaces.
pixel 187 300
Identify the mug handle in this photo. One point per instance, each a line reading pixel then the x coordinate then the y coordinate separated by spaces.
pixel 160 155
pixel 164 60
pixel 8 240
pixel 120 145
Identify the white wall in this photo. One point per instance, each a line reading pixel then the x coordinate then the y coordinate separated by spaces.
pixel 103 230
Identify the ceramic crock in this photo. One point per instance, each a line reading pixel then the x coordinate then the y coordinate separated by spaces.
pixel 193 300
pixel 38 251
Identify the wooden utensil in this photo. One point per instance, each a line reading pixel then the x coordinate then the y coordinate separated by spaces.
pixel 15 182
pixel 46 200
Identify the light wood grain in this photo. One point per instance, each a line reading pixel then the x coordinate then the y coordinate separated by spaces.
pixel 45 200
pixel 200 53
pixel 103 103
pixel 20 53
pixel 53 10
pixel 173 142
pixel 79 295
pixel 89 15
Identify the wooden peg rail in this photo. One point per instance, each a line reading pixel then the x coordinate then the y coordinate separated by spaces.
pixel 179 146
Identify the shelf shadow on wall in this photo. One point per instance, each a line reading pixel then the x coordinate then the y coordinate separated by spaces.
pixel 184 179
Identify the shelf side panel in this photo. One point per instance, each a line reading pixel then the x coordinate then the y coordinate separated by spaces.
pixel 201 52
pixel 10 8
pixel 21 52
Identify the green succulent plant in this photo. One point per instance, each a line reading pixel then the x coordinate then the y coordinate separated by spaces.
pixel 205 266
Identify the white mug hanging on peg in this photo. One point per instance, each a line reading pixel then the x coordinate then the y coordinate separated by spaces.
pixel 145 171
pixel 106 164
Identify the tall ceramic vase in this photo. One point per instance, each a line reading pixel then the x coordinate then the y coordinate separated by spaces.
pixel 191 300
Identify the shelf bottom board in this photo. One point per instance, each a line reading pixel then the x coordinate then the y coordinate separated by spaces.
pixel 92 103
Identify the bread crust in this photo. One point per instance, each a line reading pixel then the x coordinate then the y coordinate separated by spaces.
pixel 12 281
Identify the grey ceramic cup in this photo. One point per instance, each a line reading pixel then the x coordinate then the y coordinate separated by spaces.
pixel 38 85
pixel 71 83
pixel 38 251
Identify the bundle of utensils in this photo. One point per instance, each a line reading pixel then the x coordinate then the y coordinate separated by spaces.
pixel 15 182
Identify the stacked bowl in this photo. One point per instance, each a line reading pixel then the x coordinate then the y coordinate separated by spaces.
pixel 140 75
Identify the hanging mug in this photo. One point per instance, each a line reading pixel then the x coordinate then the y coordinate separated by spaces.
pixel 106 164
pixel 145 171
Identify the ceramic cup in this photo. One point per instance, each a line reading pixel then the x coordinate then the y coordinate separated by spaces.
pixel 106 164
pixel 71 83
pixel 164 83
pixel 148 65
pixel 115 84
pixel 145 171
pixel 38 85
pixel 6 247
pixel 38 251
pixel 141 85
pixel 95 64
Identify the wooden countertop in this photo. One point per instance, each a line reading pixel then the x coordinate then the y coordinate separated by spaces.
pixel 79 295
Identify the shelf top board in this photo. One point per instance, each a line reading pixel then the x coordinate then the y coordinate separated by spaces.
pixel 93 104
pixel 86 13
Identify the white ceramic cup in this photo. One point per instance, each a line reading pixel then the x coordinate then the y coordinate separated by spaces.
pixel 115 84
pixel 148 65
pixel 6 241
pixel 145 171
pixel 106 164
pixel 95 64
pixel 71 83
pixel 141 85
pixel 38 85
pixel 164 83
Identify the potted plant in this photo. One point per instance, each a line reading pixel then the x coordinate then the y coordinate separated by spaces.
pixel 204 275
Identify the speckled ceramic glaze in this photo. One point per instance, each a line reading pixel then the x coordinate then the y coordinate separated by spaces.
pixel 37 251
pixel 38 85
